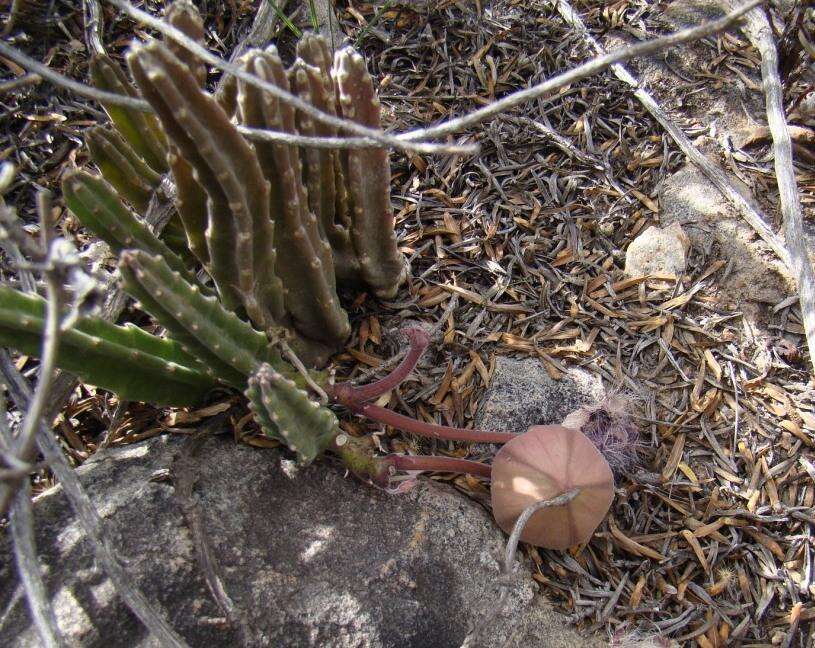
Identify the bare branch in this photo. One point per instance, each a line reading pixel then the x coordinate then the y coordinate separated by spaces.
pixel 255 134
pixel 508 567
pixel 25 548
pixel 25 554
pixel 88 516
pixel 590 68
pixel 32 65
pixel 261 135
pixel 406 141
pixel 760 33
pixel 306 108
pixel 24 446
pixel 751 214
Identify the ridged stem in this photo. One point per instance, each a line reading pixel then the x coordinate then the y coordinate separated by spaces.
pixel 122 167
pixel 368 179
pixel 304 260
pixel 125 359
pixel 286 412
pixel 139 129
pixel 323 173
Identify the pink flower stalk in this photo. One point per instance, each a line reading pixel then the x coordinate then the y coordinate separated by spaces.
pixel 429 430
pixel 346 394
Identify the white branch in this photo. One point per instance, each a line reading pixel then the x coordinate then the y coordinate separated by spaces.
pixel 760 34
pixel 751 214
pixel 590 68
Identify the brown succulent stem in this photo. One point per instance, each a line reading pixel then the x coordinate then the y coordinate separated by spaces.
pixel 348 395
pixel 430 430
pixel 438 464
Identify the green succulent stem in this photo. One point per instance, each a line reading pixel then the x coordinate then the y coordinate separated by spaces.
pixel 240 233
pixel 227 346
pixel 285 412
pixel 98 207
pixel 124 359
pixel 122 167
pixel 141 130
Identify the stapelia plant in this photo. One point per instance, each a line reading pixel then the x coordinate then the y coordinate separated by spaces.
pixel 249 265
pixel 543 463
pixel 262 233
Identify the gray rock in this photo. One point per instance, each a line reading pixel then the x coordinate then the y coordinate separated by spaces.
pixel 313 559
pixel 689 199
pixel 522 394
pixel 658 251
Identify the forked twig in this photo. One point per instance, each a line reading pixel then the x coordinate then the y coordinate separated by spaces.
pixel 409 141
pixel 24 446
pixel 235 70
pixel 587 69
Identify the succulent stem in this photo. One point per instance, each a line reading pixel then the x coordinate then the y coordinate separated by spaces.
pixel 183 15
pixel 286 412
pixel 368 177
pixel 323 174
pixel 121 166
pixel 125 359
pixel 227 346
pixel 139 129
pixel 304 261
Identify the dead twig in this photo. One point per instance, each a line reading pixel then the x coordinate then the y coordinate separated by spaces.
pixel 750 213
pixel 255 134
pixel 760 33
pixel 24 446
pixel 28 568
pixel 508 566
pixel 92 16
pixel 590 68
pixel 87 514
pixel 25 548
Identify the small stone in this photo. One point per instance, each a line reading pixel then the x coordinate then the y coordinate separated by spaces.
pixel 658 251
pixel 522 394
